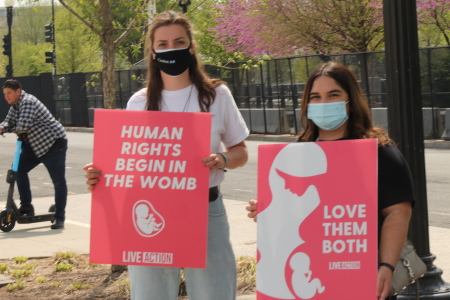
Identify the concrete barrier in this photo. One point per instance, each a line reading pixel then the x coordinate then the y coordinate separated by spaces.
pixel 65 116
pixel 446 132
pixel 276 120
pixel 380 118
pixel 298 114
pixel 432 123
pixel 91 115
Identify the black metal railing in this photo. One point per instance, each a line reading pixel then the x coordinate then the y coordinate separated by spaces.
pixel 270 93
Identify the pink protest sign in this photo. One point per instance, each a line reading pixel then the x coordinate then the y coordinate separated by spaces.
pixel 317 220
pixel 150 207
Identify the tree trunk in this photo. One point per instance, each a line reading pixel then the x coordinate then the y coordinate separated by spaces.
pixel 109 91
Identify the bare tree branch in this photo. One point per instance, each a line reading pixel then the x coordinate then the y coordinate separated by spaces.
pixel 90 25
pixel 130 27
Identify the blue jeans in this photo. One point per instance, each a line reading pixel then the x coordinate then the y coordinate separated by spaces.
pixel 217 281
pixel 55 162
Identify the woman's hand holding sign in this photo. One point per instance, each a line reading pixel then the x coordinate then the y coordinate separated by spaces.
pixel 252 207
pixel 236 156
pixel 92 175
pixel 384 283
pixel 215 161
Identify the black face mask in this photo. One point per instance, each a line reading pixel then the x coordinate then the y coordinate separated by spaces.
pixel 174 61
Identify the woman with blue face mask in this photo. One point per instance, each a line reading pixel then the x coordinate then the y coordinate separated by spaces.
pixel 177 83
pixel 334 108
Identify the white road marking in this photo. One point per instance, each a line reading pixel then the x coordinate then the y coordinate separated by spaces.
pixel 78 223
pixel 437 213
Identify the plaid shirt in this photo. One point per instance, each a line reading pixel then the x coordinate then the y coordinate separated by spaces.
pixel 31 116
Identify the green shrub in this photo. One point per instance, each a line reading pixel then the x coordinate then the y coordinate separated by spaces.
pixel 3 268
pixel 79 286
pixel 20 259
pixel 62 267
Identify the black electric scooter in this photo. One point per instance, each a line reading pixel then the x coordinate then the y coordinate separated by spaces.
pixel 10 215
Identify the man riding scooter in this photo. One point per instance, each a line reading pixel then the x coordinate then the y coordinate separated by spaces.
pixel 44 142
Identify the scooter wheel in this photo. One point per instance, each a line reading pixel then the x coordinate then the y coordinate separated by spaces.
pixel 52 208
pixel 6 226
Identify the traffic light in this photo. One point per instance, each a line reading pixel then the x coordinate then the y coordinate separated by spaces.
pixel 9 71
pixel 49 33
pixel 7 45
pixel 50 57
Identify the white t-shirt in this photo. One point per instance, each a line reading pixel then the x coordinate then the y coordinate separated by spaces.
pixel 228 126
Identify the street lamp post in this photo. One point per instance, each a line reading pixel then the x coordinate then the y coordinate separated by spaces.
pixel 405 126
pixel 7 39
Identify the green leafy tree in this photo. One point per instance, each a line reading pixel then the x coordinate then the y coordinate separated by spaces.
pixel 77 47
pixel 29 21
pixel 31 58
pixel 27 37
pixel 98 16
pixel 209 46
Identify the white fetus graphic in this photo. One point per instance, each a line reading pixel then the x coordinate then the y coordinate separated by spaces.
pixel 278 239
pixel 144 219
pixel 304 287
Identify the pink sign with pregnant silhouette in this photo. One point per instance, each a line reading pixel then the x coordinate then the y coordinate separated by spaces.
pixel 317 220
pixel 152 198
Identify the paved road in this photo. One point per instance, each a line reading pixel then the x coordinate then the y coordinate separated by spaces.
pixel 240 184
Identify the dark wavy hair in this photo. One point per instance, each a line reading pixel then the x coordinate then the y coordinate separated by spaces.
pixel 359 121
pixel 204 84
pixel 12 84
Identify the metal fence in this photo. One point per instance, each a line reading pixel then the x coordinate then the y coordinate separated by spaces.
pixel 269 96
pixel 278 85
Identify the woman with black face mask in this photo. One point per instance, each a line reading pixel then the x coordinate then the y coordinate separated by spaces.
pixel 334 108
pixel 177 83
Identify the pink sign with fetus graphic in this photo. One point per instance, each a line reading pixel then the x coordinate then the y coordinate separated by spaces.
pixel 152 198
pixel 317 220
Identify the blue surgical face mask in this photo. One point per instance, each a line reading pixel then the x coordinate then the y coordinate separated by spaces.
pixel 328 116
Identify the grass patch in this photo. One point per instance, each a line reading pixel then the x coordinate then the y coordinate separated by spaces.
pixel 18 285
pixel 20 273
pixel 41 279
pixel 79 286
pixel 20 259
pixel 62 267
pixel 27 267
pixel 3 268
pixel 69 257
pixel 56 284
pixel 246 273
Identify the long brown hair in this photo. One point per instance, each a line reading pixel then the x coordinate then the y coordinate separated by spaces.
pixel 205 85
pixel 359 120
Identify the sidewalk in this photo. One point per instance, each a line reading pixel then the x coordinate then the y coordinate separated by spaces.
pixel 38 240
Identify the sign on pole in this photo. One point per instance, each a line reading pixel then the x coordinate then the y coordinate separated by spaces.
pixel 317 220
pixel 150 207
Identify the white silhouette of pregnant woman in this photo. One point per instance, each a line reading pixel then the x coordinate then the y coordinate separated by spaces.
pixel 278 239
